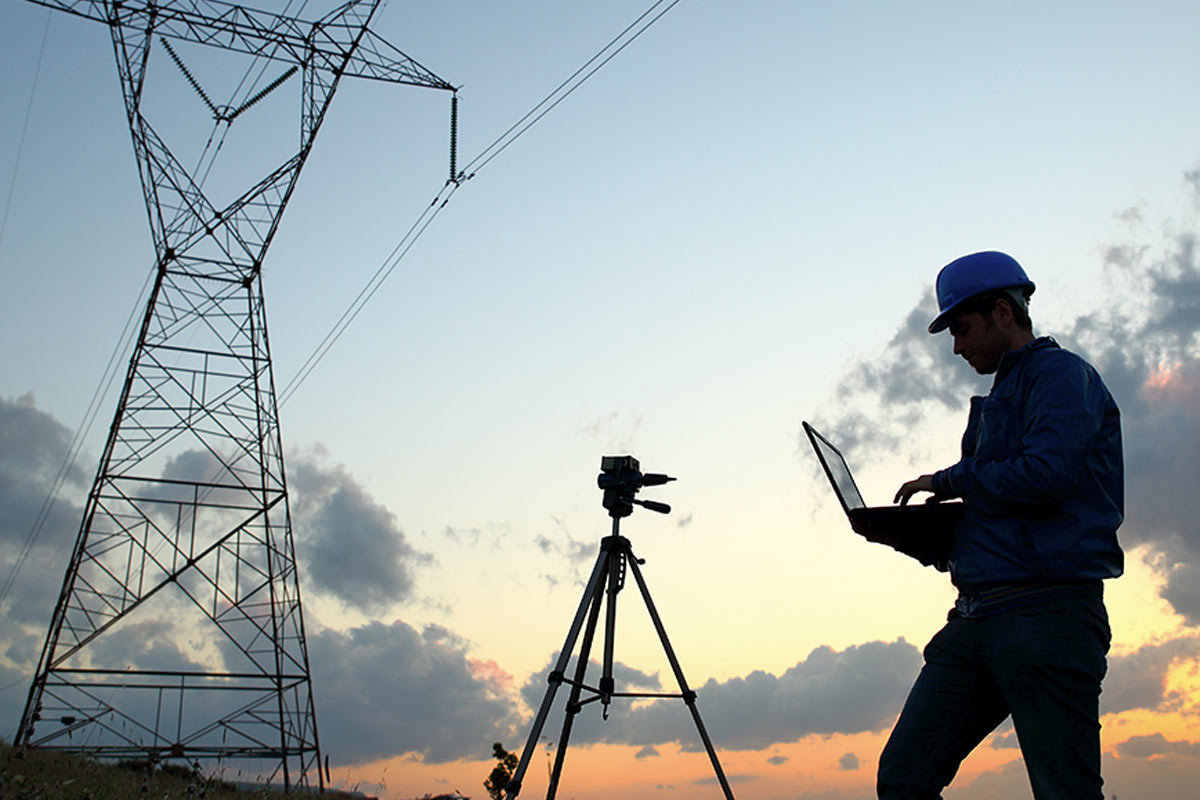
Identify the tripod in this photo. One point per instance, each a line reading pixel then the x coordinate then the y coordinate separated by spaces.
pixel 620 478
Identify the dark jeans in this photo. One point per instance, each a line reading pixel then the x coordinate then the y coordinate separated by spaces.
pixel 1042 664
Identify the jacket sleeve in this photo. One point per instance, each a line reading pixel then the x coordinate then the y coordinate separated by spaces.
pixel 1063 412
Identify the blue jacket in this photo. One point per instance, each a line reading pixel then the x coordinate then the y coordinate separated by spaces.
pixel 1042 475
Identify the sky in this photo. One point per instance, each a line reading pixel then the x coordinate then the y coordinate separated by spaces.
pixel 732 227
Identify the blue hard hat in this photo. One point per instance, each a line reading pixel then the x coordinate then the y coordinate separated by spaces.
pixel 965 277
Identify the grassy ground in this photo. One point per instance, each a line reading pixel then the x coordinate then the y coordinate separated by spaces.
pixel 43 775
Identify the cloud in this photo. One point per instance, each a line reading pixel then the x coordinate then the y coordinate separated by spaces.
pixel 649 751
pixel 712 781
pixel 848 762
pixel 385 690
pixel 349 544
pixel 1008 780
pixel 857 689
pixel 1146 344
pixel 572 554
pixel 880 401
pixel 424 693
pixel 778 761
pixel 576 552
pixel 1139 679
pixel 12 698
pixel 142 645
pixel 618 430
pixel 33 450
pixel 536 686
pixel 1005 738
pixel 33 447
pixel 1144 767
pixel 1156 744
pixel 1150 358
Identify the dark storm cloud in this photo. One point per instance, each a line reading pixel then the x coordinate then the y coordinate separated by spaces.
pixel 385 690
pixel 1146 344
pixel 348 543
pixel 857 689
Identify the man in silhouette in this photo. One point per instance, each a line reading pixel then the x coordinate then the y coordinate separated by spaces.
pixel 1042 476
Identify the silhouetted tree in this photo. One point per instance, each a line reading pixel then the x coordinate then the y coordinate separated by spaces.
pixel 506 764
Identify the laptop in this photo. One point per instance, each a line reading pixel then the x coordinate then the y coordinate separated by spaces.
pixel 922 530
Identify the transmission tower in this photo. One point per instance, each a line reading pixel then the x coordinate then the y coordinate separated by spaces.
pixel 188 518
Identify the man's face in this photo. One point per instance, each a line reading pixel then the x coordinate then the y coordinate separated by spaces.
pixel 979 340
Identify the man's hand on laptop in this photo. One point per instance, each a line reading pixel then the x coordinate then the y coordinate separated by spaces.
pixel 905 492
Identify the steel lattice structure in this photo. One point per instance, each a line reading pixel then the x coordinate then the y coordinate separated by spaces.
pixel 189 508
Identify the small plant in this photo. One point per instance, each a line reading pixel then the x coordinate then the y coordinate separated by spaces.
pixel 506 765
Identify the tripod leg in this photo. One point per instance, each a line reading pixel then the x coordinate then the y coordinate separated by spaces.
pixel 689 697
pixel 616 579
pixel 556 676
pixel 573 707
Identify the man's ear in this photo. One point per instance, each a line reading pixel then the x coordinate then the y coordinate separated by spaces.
pixel 1002 311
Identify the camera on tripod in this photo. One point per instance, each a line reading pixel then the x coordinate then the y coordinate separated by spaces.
pixel 621 477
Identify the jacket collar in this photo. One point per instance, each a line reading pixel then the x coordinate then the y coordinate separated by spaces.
pixel 1009 360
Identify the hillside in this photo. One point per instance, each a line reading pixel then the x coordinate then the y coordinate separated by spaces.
pixel 41 775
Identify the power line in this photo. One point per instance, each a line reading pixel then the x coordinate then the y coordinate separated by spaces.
pixel 12 182
pixel 501 143
pixel 368 291
pixel 398 253
pixel 555 97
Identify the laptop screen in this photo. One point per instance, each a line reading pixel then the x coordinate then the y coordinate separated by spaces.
pixel 835 467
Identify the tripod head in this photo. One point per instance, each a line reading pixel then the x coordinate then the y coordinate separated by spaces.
pixel 621 478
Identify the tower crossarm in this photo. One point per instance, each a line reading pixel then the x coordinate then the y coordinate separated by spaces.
pixel 338 42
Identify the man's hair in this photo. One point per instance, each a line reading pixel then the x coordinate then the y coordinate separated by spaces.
pixel 984 303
